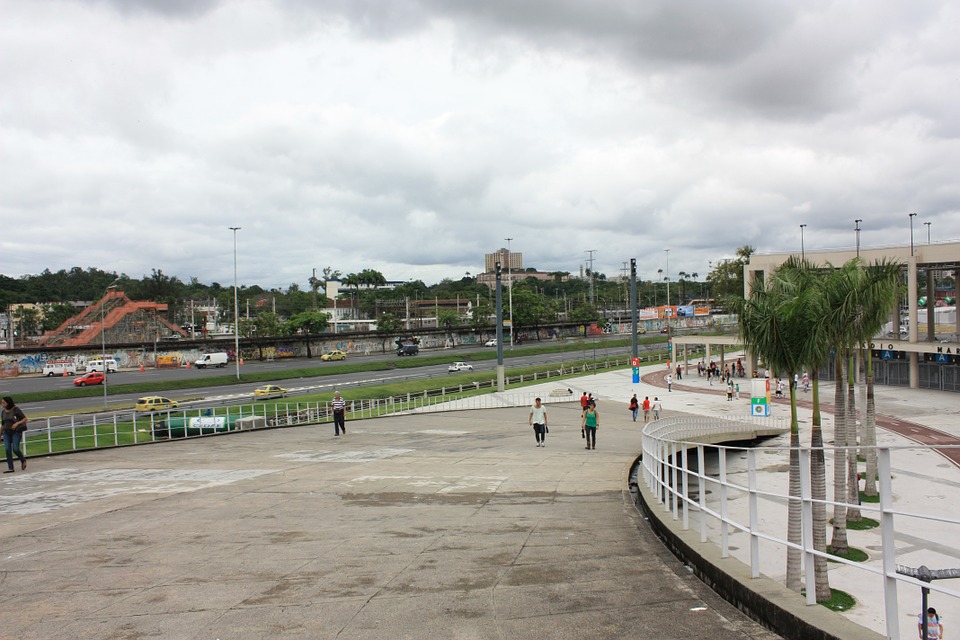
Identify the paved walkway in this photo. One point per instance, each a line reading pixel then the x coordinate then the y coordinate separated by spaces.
pixel 449 525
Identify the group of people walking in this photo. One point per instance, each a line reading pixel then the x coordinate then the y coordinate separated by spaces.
pixel 589 421
pixel 635 405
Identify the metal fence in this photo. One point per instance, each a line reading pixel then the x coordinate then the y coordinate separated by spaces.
pixel 59 434
pixel 738 498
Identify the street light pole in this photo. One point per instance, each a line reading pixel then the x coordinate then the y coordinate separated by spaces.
pixel 510 289
pixel 103 340
pixel 912 216
pixel 857 229
pixel 236 306
pixel 928 231
pixel 667 251
pixel 802 255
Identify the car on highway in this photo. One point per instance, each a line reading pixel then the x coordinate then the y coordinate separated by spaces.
pixel 460 366
pixel 408 350
pixel 492 342
pixel 336 354
pixel 154 403
pixel 269 391
pixel 94 377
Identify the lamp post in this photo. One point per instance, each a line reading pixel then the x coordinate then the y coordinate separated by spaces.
pixel 510 289
pixel 857 229
pixel 103 340
pixel 912 216
pixel 928 231
pixel 236 306
pixel 802 255
pixel 667 251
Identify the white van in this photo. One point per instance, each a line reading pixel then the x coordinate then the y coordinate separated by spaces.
pixel 59 368
pixel 97 365
pixel 218 359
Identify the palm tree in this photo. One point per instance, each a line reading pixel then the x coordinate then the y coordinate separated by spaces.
pixel 879 291
pixel 779 322
pixel 810 276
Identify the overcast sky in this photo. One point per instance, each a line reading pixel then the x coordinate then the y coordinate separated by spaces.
pixel 414 136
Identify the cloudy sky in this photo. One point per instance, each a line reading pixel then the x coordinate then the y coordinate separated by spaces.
pixel 413 136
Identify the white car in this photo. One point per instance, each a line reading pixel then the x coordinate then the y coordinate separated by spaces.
pixel 492 342
pixel 460 366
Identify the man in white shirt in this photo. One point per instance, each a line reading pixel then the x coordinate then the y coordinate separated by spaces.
pixel 538 418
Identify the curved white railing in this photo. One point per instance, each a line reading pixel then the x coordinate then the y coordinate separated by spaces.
pixel 738 497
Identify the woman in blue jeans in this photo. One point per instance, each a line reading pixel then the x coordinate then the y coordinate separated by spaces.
pixel 13 423
pixel 591 420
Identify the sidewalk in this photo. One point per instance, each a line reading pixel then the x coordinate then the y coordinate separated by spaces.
pixel 925 482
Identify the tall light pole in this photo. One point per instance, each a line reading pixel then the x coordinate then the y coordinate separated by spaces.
pixel 667 251
pixel 912 216
pixel 857 229
pixel 103 340
pixel 802 255
pixel 928 231
pixel 236 306
pixel 510 288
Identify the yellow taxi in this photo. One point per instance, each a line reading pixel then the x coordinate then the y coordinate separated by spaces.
pixel 154 403
pixel 336 354
pixel 269 391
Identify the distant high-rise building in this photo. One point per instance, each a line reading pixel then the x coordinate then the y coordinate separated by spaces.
pixel 501 256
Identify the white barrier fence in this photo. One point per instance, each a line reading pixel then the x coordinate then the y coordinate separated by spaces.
pixel 738 498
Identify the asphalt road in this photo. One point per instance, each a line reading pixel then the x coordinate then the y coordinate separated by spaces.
pixel 298 386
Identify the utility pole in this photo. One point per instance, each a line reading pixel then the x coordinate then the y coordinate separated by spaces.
pixel 591 252
pixel 509 290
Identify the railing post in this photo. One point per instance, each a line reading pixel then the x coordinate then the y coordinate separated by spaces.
pixel 686 489
pixel 701 494
pixel 888 543
pixel 754 514
pixel 116 436
pixel 673 479
pixel 724 512
pixel 96 442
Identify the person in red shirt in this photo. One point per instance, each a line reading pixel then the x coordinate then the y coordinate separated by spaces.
pixel 646 409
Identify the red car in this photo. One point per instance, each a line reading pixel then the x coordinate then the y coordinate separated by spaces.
pixel 94 377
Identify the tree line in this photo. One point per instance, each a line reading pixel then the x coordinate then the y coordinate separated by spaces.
pixel 280 311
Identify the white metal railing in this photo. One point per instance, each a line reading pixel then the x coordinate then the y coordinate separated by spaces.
pixel 738 499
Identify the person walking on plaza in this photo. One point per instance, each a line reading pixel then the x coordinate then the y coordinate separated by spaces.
pixel 730 390
pixel 589 425
pixel 634 407
pixel 14 423
pixel 646 409
pixel 934 626
pixel 805 381
pixel 679 373
pixel 538 418
pixel 669 382
pixel 339 406
pixel 584 401
pixel 657 408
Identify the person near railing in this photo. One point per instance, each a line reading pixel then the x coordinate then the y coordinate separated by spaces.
pixel 14 423
pixel 934 626
pixel 339 406
pixel 634 407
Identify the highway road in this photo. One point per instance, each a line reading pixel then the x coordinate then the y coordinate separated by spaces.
pixel 231 394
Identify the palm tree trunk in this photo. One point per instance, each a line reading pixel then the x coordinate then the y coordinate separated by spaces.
pixel 818 480
pixel 794 510
pixel 870 450
pixel 838 542
pixel 853 486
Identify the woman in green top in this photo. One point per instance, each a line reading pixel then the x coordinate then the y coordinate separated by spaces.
pixel 591 420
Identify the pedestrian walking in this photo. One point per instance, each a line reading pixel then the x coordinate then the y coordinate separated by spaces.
pixel 584 401
pixel 730 391
pixel 13 423
pixel 339 406
pixel 538 418
pixel 679 373
pixel 646 409
pixel 634 407
pixel 934 626
pixel 805 381
pixel 669 382
pixel 590 424
pixel 657 408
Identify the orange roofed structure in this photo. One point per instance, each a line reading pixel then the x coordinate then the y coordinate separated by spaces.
pixel 124 321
